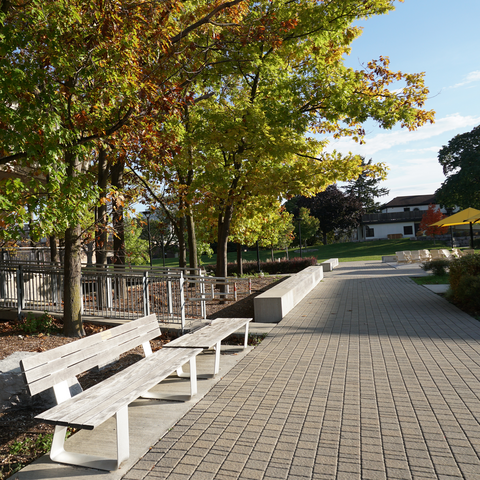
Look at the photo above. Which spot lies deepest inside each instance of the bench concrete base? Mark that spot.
(272, 305)
(330, 264)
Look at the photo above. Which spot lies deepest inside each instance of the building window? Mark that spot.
(369, 232)
(406, 209)
(408, 230)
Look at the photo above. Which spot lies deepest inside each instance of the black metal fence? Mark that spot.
(175, 295)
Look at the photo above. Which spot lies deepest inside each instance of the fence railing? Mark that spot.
(175, 295)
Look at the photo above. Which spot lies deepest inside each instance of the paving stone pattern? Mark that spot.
(370, 377)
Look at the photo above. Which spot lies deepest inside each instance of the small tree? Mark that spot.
(309, 225)
(136, 248)
(432, 215)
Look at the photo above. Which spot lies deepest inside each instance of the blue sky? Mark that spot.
(442, 39)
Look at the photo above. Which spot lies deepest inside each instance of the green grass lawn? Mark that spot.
(345, 252)
(432, 280)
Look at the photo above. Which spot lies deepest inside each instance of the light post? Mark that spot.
(163, 248)
(258, 257)
(299, 220)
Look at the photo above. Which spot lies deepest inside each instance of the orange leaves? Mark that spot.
(432, 215)
(81, 119)
(288, 24)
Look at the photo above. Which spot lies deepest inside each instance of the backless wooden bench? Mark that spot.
(211, 336)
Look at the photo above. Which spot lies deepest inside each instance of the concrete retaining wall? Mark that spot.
(272, 305)
(330, 264)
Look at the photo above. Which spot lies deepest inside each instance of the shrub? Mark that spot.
(43, 324)
(437, 267)
(294, 265)
(467, 293)
(460, 268)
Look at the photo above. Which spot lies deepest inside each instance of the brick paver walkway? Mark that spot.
(370, 377)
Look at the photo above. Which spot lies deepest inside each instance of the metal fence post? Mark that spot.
(3, 283)
(203, 303)
(182, 300)
(169, 295)
(146, 295)
(54, 288)
(109, 295)
(20, 292)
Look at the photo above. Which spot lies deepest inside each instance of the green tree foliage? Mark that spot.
(77, 77)
(136, 248)
(460, 160)
(251, 83)
(366, 187)
(309, 225)
(336, 212)
(280, 77)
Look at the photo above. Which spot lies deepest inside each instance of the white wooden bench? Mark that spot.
(90, 408)
(211, 336)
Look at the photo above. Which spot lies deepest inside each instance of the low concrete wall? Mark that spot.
(272, 305)
(330, 264)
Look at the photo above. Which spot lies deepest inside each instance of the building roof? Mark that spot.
(410, 201)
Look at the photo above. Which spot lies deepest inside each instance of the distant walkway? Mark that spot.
(370, 377)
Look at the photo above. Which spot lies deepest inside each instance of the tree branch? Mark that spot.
(204, 20)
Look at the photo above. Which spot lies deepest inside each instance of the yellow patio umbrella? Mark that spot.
(474, 219)
(464, 217)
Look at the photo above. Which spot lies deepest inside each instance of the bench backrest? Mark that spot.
(49, 368)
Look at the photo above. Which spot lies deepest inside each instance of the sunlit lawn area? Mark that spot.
(345, 252)
(432, 280)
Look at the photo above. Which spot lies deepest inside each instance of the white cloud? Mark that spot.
(470, 78)
(421, 150)
(385, 141)
(421, 161)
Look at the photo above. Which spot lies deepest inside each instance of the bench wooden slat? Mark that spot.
(97, 404)
(54, 366)
(69, 348)
(209, 335)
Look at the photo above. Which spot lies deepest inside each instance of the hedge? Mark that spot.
(293, 265)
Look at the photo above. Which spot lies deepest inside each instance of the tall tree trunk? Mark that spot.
(179, 228)
(192, 240)
(117, 217)
(224, 221)
(101, 234)
(119, 252)
(54, 254)
(324, 235)
(72, 312)
(239, 260)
